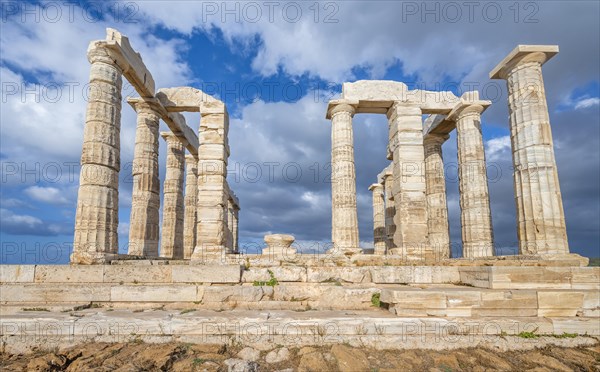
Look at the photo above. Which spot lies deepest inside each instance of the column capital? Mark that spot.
(140, 105)
(375, 186)
(464, 108)
(98, 52)
(341, 105)
(523, 54)
(172, 138)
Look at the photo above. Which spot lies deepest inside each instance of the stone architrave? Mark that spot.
(190, 202)
(541, 226)
(379, 235)
(437, 208)
(145, 196)
(97, 214)
(172, 224)
(344, 217)
(475, 216)
(408, 190)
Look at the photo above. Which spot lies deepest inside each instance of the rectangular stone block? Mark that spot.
(581, 326)
(392, 274)
(54, 293)
(237, 293)
(281, 273)
(463, 299)
(306, 292)
(69, 274)
(341, 274)
(206, 274)
(17, 273)
(517, 299)
(414, 299)
(155, 293)
(585, 277)
(511, 277)
(138, 274)
(560, 300)
(475, 276)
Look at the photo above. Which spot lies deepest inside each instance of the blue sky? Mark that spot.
(276, 71)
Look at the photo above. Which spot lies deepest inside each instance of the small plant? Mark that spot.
(135, 281)
(247, 265)
(360, 329)
(526, 334)
(270, 283)
(375, 299)
(197, 361)
(379, 329)
(35, 309)
(566, 335)
(185, 311)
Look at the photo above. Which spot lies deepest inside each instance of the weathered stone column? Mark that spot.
(541, 226)
(145, 197)
(235, 227)
(344, 216)
(229, 228)
(406, 143)
(378, 218)
(387, 179)
(190, 201)
(475, 213)
(212, 197)
(97, 214)
(437, 207)
(172, 224)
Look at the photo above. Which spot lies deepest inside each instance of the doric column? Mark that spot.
(229, 215)
(475, 214)
(212, 196)
(172, 224)
(437, 208)
(387, 180)
(541, 227)
(406, 144)
(190, 202)
(97, 214)
(235, 227)
(378, 218)
(344, 217)
(145, 197)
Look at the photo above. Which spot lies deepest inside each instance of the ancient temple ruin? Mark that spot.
(409, 291)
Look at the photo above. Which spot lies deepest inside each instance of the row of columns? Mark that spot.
(418, 195)
(192, 224)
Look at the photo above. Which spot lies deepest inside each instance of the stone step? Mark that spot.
(495, 277)
(374, 328)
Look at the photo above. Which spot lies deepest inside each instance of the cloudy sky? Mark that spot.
(276, 65)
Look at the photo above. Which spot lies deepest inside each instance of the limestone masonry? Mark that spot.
(407, 285)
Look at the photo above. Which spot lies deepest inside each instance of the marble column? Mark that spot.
(406, 143)
(235, 228)
(172, 223)
(145, 197)
(437, 207)
(97, 215)
(212, 196)
(190, 202)
(475, 213)
(541, 226)
(229, 229)
(378, 218)
(344, 216)
(387, 180)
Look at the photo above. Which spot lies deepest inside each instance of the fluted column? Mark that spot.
(97, 214)
(437, 207)
(343, 180)
(190, 201)
(145, 197)
(475, 213)
(541, 226)
(378, 218)
(235, 228)
(390, 208)
(172, 224)
(212, 196)
(406, 144)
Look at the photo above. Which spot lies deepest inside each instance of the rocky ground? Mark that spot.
(137, 356)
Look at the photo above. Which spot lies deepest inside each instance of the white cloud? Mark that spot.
(497, 148)
(50, 195)
(587, 103)
(10, 218)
